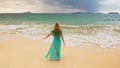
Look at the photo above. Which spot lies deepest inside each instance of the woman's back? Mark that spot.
(56, 36)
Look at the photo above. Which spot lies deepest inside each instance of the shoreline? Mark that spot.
(104, 36)
(27, 53)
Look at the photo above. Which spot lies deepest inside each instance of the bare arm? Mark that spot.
(63, 39)
(47, 36)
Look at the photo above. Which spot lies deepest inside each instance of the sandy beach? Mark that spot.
(27, 53)
(90, 30)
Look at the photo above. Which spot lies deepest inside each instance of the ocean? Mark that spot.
(87, 29)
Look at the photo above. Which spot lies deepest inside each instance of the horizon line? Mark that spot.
(65, 12)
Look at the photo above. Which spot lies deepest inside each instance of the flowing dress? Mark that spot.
(54, 51)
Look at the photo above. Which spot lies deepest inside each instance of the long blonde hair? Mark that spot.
(57, 28)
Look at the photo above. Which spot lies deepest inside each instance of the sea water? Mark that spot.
(102, 30)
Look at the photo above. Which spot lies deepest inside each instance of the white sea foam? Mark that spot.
(104, 36)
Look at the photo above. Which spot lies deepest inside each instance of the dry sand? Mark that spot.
(26, 53)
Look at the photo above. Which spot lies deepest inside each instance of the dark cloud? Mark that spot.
(85, 5)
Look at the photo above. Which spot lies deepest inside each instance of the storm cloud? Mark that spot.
(85, 5)
(59, 6)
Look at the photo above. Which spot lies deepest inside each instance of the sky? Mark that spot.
(59, 6)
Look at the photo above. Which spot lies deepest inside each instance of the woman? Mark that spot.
(55, 48)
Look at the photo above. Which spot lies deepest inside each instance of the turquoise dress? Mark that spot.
(54, 51)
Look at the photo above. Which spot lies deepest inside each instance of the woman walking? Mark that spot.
(54, 51)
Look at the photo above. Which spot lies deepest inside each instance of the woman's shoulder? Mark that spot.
(61, 32)
(51, 31)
